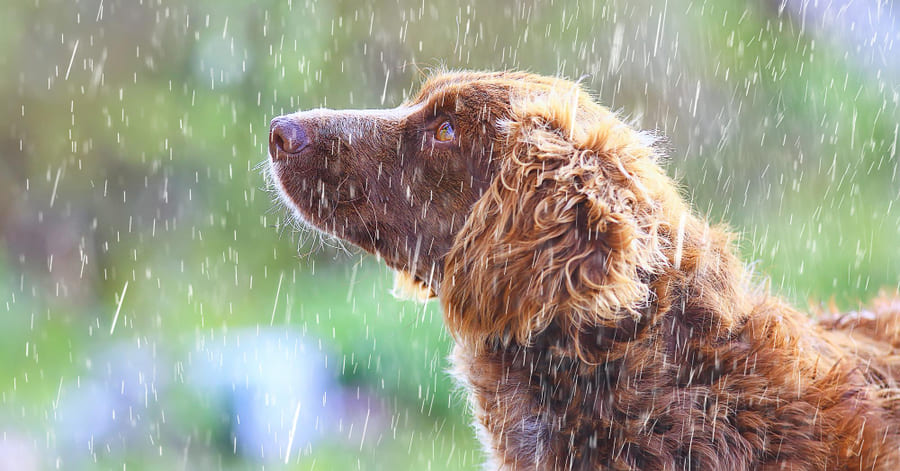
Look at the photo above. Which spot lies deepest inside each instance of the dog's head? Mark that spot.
(513, 196)
(401, 182)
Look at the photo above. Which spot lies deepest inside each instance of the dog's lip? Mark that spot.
(293, 167)
(282, 157)
(298, 169)
(304, 158)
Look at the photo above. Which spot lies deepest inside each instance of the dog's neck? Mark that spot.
(565, 398)
(702, 289)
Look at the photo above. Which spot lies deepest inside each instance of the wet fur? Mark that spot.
(599, 323)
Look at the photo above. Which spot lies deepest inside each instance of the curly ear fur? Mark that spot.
(574, 211)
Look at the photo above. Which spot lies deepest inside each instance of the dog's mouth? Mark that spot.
(319, 200)
(314, 170)
(318, 160)
(307, 168)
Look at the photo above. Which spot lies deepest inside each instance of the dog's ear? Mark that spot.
(567, 231)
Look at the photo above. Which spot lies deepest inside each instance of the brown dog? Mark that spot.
(599, 324)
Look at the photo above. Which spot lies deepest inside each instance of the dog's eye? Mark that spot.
(444, 132)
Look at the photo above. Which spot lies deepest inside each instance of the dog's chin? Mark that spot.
(299, 217)
(325, 222)
(406, 286)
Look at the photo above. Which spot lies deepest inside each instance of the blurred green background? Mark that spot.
(155, 313)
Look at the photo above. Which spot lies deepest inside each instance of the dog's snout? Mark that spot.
(287, 136)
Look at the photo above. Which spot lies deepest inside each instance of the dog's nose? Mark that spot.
(286, 136)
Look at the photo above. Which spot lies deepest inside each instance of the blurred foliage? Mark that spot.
(132, 138)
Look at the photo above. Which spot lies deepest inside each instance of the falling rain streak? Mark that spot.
(133, 160)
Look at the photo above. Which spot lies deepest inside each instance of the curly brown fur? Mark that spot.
(599, 324)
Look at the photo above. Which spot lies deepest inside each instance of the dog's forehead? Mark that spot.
(458, 84)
